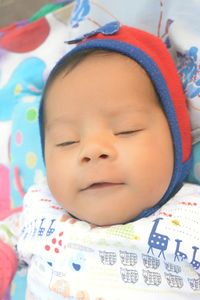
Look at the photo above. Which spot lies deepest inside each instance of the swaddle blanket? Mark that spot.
(157, 255)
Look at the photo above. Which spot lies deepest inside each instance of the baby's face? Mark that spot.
(108, 147)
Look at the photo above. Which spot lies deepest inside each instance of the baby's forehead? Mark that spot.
(112, 93)
(107, 71)
(98, 63)
(95, 60)
(93, 57)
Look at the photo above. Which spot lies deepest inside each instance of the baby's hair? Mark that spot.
(65, 66)
(68, 63)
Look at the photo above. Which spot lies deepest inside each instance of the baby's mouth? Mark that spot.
(102, 185)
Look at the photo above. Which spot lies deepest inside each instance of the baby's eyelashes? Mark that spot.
(68, 143)
(127, 132)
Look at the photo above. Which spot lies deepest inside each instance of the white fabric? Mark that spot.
(5, 129)
(154, 258)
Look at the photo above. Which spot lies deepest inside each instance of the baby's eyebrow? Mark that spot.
(128, 109)
(114, 113)
(61, 120)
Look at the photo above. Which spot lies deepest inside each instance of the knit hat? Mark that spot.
(151, 53)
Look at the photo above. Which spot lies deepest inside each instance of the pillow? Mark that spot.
(23, 70)
(184, 37)
(26, 163)
(194, 176)
(26, 66)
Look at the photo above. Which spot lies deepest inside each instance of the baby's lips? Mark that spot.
(101, 184)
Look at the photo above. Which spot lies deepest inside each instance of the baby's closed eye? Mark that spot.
(66, 143)
(127, 132)
(123, 133)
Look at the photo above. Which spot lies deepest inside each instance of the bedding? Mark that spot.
(23, 69)
(30, 48)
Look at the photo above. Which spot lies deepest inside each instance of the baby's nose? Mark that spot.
(95, 150)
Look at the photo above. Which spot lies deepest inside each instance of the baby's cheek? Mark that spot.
(62, 183)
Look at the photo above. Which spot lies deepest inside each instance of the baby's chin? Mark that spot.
(104, 222)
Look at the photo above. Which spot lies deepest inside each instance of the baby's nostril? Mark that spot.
(103, 156)
(86, 159)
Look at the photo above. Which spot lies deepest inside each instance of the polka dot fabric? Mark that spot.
(25, 148)
(24, 68)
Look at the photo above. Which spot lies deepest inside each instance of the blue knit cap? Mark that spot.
(151, 53)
